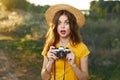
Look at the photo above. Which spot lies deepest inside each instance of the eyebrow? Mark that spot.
(65, 20)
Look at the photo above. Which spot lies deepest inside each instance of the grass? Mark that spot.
(25, 42)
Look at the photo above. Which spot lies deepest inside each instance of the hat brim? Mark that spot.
(76, 12)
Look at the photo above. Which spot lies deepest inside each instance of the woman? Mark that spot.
(64, 22)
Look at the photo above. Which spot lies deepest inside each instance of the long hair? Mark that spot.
(52, 36)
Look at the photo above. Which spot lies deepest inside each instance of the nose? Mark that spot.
(63, 25)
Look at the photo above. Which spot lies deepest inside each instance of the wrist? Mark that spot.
(74, 65)
(46, 71)
(49, 64)
(51, 60)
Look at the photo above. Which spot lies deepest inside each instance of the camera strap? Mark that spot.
(55, 70)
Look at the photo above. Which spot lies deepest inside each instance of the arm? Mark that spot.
(46, 69)
(47, 64)
(82, 72)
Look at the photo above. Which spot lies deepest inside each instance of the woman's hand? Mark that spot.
(51, 54)
(70, 58)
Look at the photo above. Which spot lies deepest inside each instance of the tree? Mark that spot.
(13, 4)
(23, 5)
(103, 8)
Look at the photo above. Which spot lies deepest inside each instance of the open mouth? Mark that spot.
(62, 31)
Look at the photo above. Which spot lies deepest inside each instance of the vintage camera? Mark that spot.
(61, 52)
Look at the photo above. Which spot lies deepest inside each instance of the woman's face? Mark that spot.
(63, 27)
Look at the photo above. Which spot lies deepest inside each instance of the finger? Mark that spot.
(55, 57)
(50, 54)
(69, 51)
(52, 47)
(68, 59)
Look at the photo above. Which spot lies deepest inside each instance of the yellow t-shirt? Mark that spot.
(63, 68)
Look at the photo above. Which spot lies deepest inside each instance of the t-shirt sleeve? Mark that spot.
(44, 53)
(85, 51)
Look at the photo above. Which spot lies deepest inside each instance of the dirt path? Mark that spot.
(5, 67)
(2, 37)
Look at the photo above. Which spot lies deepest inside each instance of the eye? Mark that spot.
(59, 22)
(66, 22)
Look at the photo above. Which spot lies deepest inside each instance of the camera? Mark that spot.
(61, 52)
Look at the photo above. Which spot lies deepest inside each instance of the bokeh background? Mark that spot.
(22, 35)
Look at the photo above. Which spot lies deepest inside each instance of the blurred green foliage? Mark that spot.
(100, 34)
(23, 5)
(102, 37)
(102, 9)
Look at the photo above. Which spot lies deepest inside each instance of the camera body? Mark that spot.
(61, 52)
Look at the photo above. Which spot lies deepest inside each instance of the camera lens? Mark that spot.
(61, 54)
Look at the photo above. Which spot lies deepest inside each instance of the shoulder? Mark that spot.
(80, 45)
(81, 49)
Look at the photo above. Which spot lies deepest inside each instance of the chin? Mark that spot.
(64, 36)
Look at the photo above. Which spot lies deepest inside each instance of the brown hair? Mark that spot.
(52, 37)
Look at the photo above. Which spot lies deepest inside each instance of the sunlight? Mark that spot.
(83, 4)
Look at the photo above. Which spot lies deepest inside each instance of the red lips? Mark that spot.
(62, 31)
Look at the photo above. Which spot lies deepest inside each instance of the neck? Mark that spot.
(64, 41)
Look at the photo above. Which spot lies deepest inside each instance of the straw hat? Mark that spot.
(76, 12)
